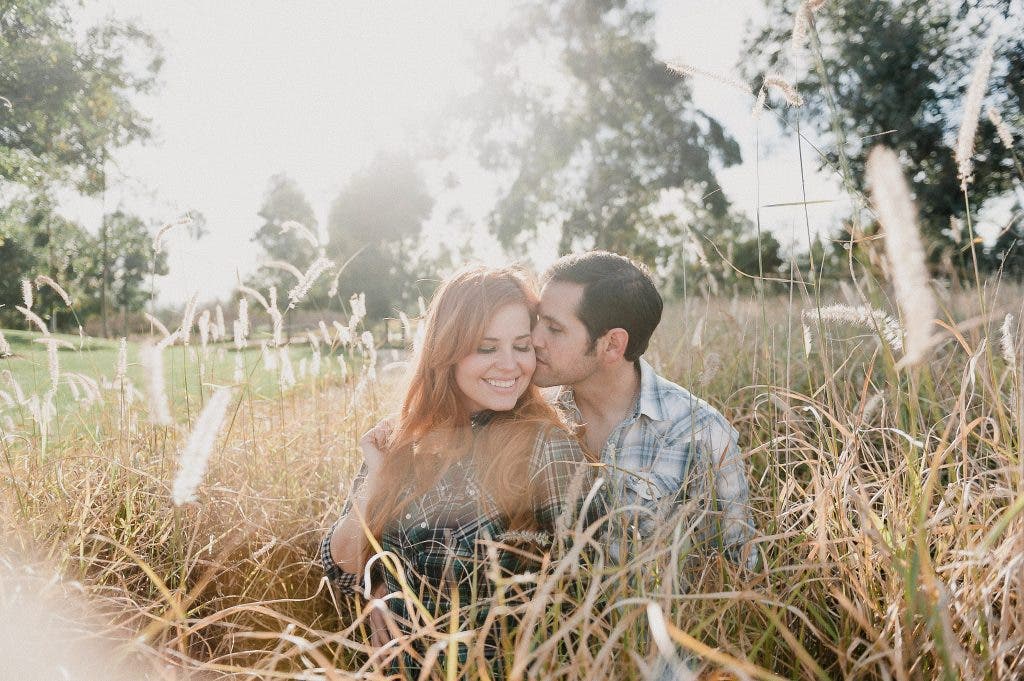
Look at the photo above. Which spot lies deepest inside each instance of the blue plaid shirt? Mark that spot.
(674, 448)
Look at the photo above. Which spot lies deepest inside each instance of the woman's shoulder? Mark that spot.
(556, 443)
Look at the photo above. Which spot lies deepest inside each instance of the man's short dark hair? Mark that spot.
(617, 293)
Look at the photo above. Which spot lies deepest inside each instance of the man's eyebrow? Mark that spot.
(549, 318)
(495, 340)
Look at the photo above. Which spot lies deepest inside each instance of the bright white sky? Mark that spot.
(252, 88)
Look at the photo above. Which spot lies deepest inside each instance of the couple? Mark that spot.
(478, 458)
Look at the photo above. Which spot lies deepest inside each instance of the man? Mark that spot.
(663, 446)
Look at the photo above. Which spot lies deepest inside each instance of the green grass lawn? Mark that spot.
(97, 359)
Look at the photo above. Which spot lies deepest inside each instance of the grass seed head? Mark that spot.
(972, 112)
(195, 456)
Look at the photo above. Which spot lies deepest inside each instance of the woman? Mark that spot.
(476, 474)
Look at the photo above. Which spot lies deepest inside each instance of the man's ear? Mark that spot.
(615, 342)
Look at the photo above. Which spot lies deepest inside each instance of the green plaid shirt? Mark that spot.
(442, 540)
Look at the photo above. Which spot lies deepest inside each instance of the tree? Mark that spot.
(896, 72)
(130, 262)
(591, 149)
(66, 100)
(284, 202)
(377, 220)
(36, 240)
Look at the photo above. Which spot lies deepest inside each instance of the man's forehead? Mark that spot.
(560, 299)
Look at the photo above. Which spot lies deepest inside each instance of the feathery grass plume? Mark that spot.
(314, 363)
(891, 198)
(204, 328)
(802, 23)
(698, 332)
(283, 265)
(169, 340)
(158, 240)
(301, 289)
(5, 347)
(19, 394)
(1002, 129)
(220, 331)
(42, 279)
(269, 358)
(196, 455)
(1007, 343)
(52, 361)
(239, 374)
(152, 358)
(26, 293)
(712, 365)
(314, 340)
(301, 230)
(972, 112)
(787, 89)
(243, 317)
(956, 228)
(239, 335)
(164, 333)
(857, 315)
(324, 333)
(253, 293)
(358, 304)
(34, 318)
(808, 340)
(122, 360)
(681, 69)
(344, 335)
(188, 319)
(287, 375)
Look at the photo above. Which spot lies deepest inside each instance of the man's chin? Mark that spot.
(543, 380)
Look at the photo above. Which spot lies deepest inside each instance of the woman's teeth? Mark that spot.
(501, 384)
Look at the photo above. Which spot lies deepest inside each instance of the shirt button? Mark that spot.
(424, 524)
(408, 516)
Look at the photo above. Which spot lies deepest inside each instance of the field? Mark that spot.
(888, 503)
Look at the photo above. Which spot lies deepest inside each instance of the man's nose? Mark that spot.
(537, 337)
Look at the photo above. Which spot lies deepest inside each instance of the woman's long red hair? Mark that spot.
(433, 428)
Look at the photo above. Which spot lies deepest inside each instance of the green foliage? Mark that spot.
(284, 202)
(67, 95)
(897, 72)
(592, 149)
(376, 220)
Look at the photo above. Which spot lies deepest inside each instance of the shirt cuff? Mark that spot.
(345, 582)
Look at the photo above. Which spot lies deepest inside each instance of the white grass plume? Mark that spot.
(1002, 129)
(857, 315)
(253, 293)
(243, 317)
(358, 305)
(301, 289)
(324, 333)
(196, 455)
(301, 230)
(164, 333)
(158, 240)
(239, 374)
(5, 347)
(972, 112)
(43, 280)
(219, 330)
(1007, 343)
(52, 361)
(188, 319)
(344, 334)
(682, 69)
(891, 198)
(34, 319)
(287, 375)
(152, 358)
(204, 328)
(26, 293)
(286, 266)
(122, 360)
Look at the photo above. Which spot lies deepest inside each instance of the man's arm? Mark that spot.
(731, 493)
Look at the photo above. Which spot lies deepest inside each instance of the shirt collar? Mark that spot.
(648, 403)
